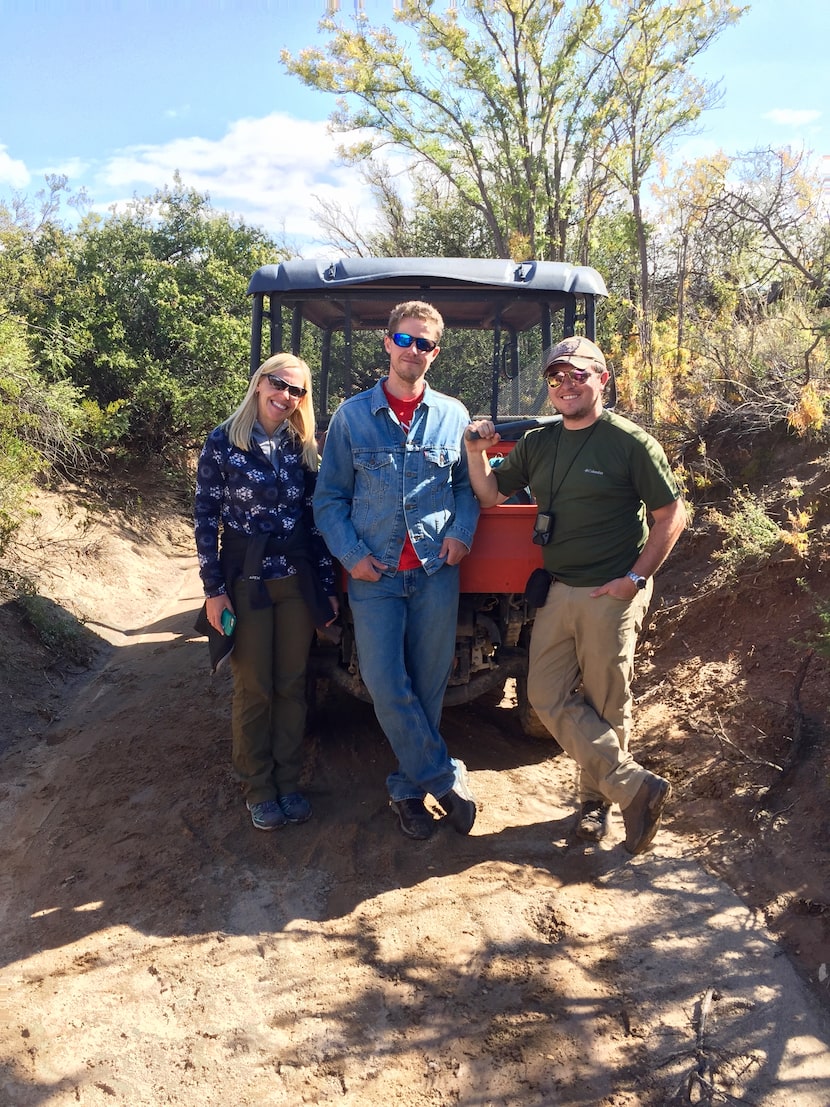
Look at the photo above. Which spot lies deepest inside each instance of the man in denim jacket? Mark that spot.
(395, 506)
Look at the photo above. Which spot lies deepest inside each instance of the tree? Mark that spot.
(654, 97)
(160, 318)
(779, 195)
(435, 223)
(742, 252)
(501, 106)
(36, 267)
(686, 196)
(20, 461)
(772, 216)
(528, 109)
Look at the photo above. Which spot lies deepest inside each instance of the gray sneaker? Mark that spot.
(459, 804)
(295, 807)
(267, 815)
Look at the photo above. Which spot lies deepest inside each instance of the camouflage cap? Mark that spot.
(577, 351)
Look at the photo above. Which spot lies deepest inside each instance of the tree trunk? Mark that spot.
(644, 314)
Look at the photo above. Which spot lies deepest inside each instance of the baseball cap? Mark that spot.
(577, 351)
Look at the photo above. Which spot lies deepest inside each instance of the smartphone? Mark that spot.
(228, 622)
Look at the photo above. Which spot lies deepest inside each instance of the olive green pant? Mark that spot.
(579, 683)
(269, 663)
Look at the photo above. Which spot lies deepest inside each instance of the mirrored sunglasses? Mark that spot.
(578, 376)
(293, 390)
(422, 345)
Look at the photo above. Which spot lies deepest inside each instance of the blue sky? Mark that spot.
(118, 94)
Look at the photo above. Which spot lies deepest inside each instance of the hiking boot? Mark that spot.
(643, 814)
(458, 804)
(416, 821)
(267, 815)
(593, 821)
(295, 807)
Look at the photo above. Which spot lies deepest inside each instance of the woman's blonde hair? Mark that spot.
(240, 423)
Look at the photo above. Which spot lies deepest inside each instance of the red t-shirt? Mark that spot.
(404, 410)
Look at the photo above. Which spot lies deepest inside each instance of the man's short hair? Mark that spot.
(416, 309)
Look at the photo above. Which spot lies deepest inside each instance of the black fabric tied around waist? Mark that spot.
(243, 556)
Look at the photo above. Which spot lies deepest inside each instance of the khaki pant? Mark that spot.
(269, 664)
(579, 684)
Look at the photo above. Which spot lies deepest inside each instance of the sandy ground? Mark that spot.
(158, 950)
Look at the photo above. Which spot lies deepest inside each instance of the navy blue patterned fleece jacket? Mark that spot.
(244, 493)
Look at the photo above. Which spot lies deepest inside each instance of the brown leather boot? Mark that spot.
(643, 814)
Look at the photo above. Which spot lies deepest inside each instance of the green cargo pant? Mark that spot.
(269, 664)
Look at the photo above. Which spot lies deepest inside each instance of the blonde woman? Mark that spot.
(262, 560)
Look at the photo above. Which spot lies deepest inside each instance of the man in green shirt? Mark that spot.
(595, 477)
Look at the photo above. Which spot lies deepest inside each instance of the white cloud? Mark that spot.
(72, 168)
(12, 172)
(177, 113)
(268, 170)
(789, 117)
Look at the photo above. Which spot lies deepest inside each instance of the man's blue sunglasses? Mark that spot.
(422, 345)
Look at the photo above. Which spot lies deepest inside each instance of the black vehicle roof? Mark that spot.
(453, 285)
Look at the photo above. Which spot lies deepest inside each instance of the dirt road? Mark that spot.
(156, 949)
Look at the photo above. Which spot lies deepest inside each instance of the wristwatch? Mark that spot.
(639, 581)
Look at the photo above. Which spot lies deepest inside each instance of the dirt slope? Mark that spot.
(158, 950)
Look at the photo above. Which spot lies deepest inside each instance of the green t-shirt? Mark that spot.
(599, 484)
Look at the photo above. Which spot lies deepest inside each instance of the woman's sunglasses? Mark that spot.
(293, 390)
(422, 345)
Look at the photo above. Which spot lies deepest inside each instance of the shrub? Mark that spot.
(752, 536)
(59, 631)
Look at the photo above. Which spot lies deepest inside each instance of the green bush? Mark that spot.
(20, 460)
(752, 536)
(106, 426)
(59, 631)
(819, 639)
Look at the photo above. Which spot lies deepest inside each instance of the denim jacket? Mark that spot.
(376, 481)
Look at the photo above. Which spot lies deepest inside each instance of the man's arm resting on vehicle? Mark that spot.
(482, 477)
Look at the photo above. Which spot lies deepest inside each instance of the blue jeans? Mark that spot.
(405, 632)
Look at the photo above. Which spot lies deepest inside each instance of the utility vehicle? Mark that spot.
(499, 316)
